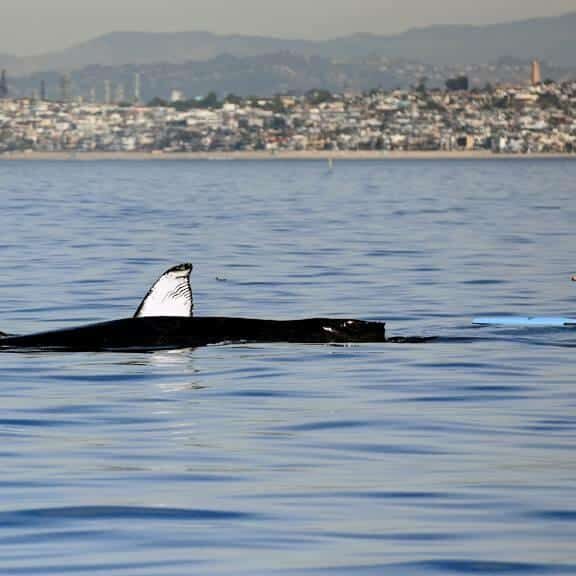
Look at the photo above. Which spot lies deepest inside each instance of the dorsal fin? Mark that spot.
(171, 294)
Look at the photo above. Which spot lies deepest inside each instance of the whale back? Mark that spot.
(171, 294)
(172, 332)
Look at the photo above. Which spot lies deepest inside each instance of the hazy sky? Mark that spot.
(39, 26)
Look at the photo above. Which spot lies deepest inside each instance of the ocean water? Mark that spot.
(454, 457)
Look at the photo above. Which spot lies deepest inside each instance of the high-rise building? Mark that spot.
(137, 94)
(458, 83)
(536, 75)
(107, 92)
(120, 94)
(3, 85)
(42, 89)
(65, 87)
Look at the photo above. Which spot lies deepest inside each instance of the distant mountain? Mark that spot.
(147, 47)
(123, 48)
(548, 39)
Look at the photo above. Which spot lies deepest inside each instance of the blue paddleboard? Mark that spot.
(543, 321)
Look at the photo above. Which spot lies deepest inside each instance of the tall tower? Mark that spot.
(536, 75)
(65, 84)
(107, 92)
(3, 85)
(137, 94)
(120, 94)
(43, 90)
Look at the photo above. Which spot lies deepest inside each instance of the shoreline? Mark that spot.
(284, 155)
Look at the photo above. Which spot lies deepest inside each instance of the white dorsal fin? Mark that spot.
(171, 295)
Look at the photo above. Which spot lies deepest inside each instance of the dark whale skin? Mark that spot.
(165, 332)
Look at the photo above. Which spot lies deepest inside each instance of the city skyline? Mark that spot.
(62, 23)
(514, 119)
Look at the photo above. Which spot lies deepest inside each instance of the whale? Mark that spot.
(165, 319)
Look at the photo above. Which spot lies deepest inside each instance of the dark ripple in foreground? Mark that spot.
(111, 513)
(442, 566)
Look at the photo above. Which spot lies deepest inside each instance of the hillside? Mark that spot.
(549, 39)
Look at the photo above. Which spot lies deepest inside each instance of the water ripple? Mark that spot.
(454, 457)
(32, 516)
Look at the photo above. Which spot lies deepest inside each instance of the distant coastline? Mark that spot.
(282, 155)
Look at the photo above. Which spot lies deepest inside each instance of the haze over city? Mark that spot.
(60, 23)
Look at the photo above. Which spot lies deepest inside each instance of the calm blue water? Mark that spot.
(456, 457)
